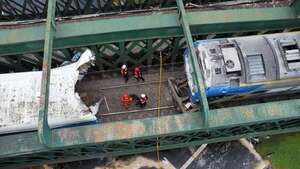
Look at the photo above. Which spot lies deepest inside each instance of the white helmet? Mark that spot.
(124, 66)
(143, 95)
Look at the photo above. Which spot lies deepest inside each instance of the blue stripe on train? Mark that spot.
(224, 90)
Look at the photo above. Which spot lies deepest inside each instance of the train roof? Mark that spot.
(249, 59)
(20, 98)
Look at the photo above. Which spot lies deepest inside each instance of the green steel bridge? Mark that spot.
(38, 34)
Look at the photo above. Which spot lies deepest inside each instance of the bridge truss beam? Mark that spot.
(137, 136)
(83, 32)
(12, 10)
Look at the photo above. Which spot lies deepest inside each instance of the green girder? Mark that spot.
(44, 132)
(196, 73)
(296, 6)
(135, 136)
(29, 38)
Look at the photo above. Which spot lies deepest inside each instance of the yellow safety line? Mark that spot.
(158, 107)
(271, 82)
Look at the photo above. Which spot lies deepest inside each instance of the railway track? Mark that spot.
(109, 113)
(136, 114)
(110, 90)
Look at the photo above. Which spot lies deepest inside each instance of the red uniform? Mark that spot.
(126, 100)
(143, 100)
(137, 73)
(124, 72)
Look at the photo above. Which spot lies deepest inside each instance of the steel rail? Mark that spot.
(136, 111)
(130, 85)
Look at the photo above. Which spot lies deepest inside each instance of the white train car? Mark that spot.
(20, 98)
(250, 66)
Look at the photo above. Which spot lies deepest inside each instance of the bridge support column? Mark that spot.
(296, 6)
(197, 74)
(44, 131)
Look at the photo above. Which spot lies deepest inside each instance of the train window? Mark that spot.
(256, 65)
(291, 53)
(201, 60)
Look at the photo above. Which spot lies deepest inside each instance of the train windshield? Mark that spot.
(201, 59)
(204, 64)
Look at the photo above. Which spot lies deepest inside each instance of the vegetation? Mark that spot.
(283, 151)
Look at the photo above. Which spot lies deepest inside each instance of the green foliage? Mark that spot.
(282, 150)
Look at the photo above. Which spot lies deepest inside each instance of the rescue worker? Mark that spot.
(126, 100)
(124, 72)
(143, 100)
(137, 73)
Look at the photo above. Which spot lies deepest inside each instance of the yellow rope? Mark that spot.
(158, 107)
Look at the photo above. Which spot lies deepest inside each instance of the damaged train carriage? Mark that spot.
(20, 98)
(260, 65)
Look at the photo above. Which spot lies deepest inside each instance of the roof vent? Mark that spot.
(291, 53)
(231, 60)
(256, 65)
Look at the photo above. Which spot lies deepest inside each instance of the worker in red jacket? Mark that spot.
(137, 73)
(143, 100)
(124, 72)
(126, 100)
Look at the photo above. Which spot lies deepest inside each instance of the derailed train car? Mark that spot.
(20, 98)
(252, 65)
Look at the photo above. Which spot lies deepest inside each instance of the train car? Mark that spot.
(20, 98)
(246, 66)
